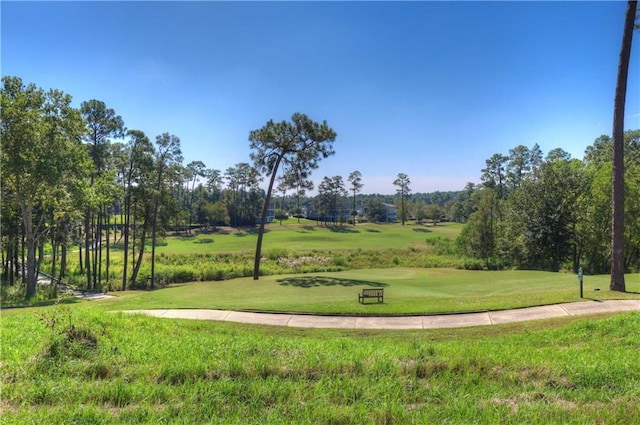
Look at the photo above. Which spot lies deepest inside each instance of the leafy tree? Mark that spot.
(167, 156)
(242, 183)
(355, 178)
(548, 211)
(296, 178)
(214, 183)
(280, 215)
(518, 167)
(42, 158)
(558, 154)
(433, 212)
(420, 211)
(102, 124)
(216, 213)
(596, 223)
(137, 173)
(617, 199)
(196, 170)
(330, 191)
(493, 175)
(300, 144)
(402, 181)
(375, 210)
(477, 238)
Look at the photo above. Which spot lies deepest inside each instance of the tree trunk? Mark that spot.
(63, 261)
(30, 242)
(23, 249)
(80, 258)
(108, 260)
(16, 262)
(87, 246)
(54, 258)
(153, 243)
(97, 283)
(136, 269)
(125, 231)
(154, 228)
(265, 208)
(6, 263)
(617, 199)
(40, 249)
(133, 246)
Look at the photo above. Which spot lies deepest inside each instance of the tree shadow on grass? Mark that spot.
(342, 229)
(315, 281)
(306, 229)
(215, 230)
(241, 233)
(373, 230)
(421, 229)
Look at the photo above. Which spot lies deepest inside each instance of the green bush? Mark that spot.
(441, 245)
(179, 274)
(339, 260)
(472, 264)
(276, 253)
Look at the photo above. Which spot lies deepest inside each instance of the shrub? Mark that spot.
(441, 245)
(306, 263)
(472, 264)
(339, 260)
(276, 253)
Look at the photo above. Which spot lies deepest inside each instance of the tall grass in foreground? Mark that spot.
(115, 368)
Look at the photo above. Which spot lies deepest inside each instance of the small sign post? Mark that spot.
(580, 280)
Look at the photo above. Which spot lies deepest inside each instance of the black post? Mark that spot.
(580, 280)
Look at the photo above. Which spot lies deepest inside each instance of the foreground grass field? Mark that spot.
(116, 368)
(84, 363)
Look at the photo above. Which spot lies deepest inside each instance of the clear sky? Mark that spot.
(430, 89)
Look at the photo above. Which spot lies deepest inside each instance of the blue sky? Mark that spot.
(430, 89)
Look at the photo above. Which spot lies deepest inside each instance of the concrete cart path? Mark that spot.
(401, 322)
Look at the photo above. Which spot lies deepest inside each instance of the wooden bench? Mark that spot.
(371, 293)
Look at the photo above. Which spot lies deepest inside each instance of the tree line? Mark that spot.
(76, 179)
(554, 212)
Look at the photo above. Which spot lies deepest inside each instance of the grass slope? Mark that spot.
(116, 368)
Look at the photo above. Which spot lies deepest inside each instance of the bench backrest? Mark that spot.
(373, 292)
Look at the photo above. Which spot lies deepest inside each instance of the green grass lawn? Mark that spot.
(407, 291)
(118, 368)
(84, 363)
(308, 236)
(229, 253)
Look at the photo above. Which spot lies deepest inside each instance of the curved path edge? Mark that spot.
(400, 322)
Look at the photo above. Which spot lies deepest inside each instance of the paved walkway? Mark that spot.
(402, 322)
